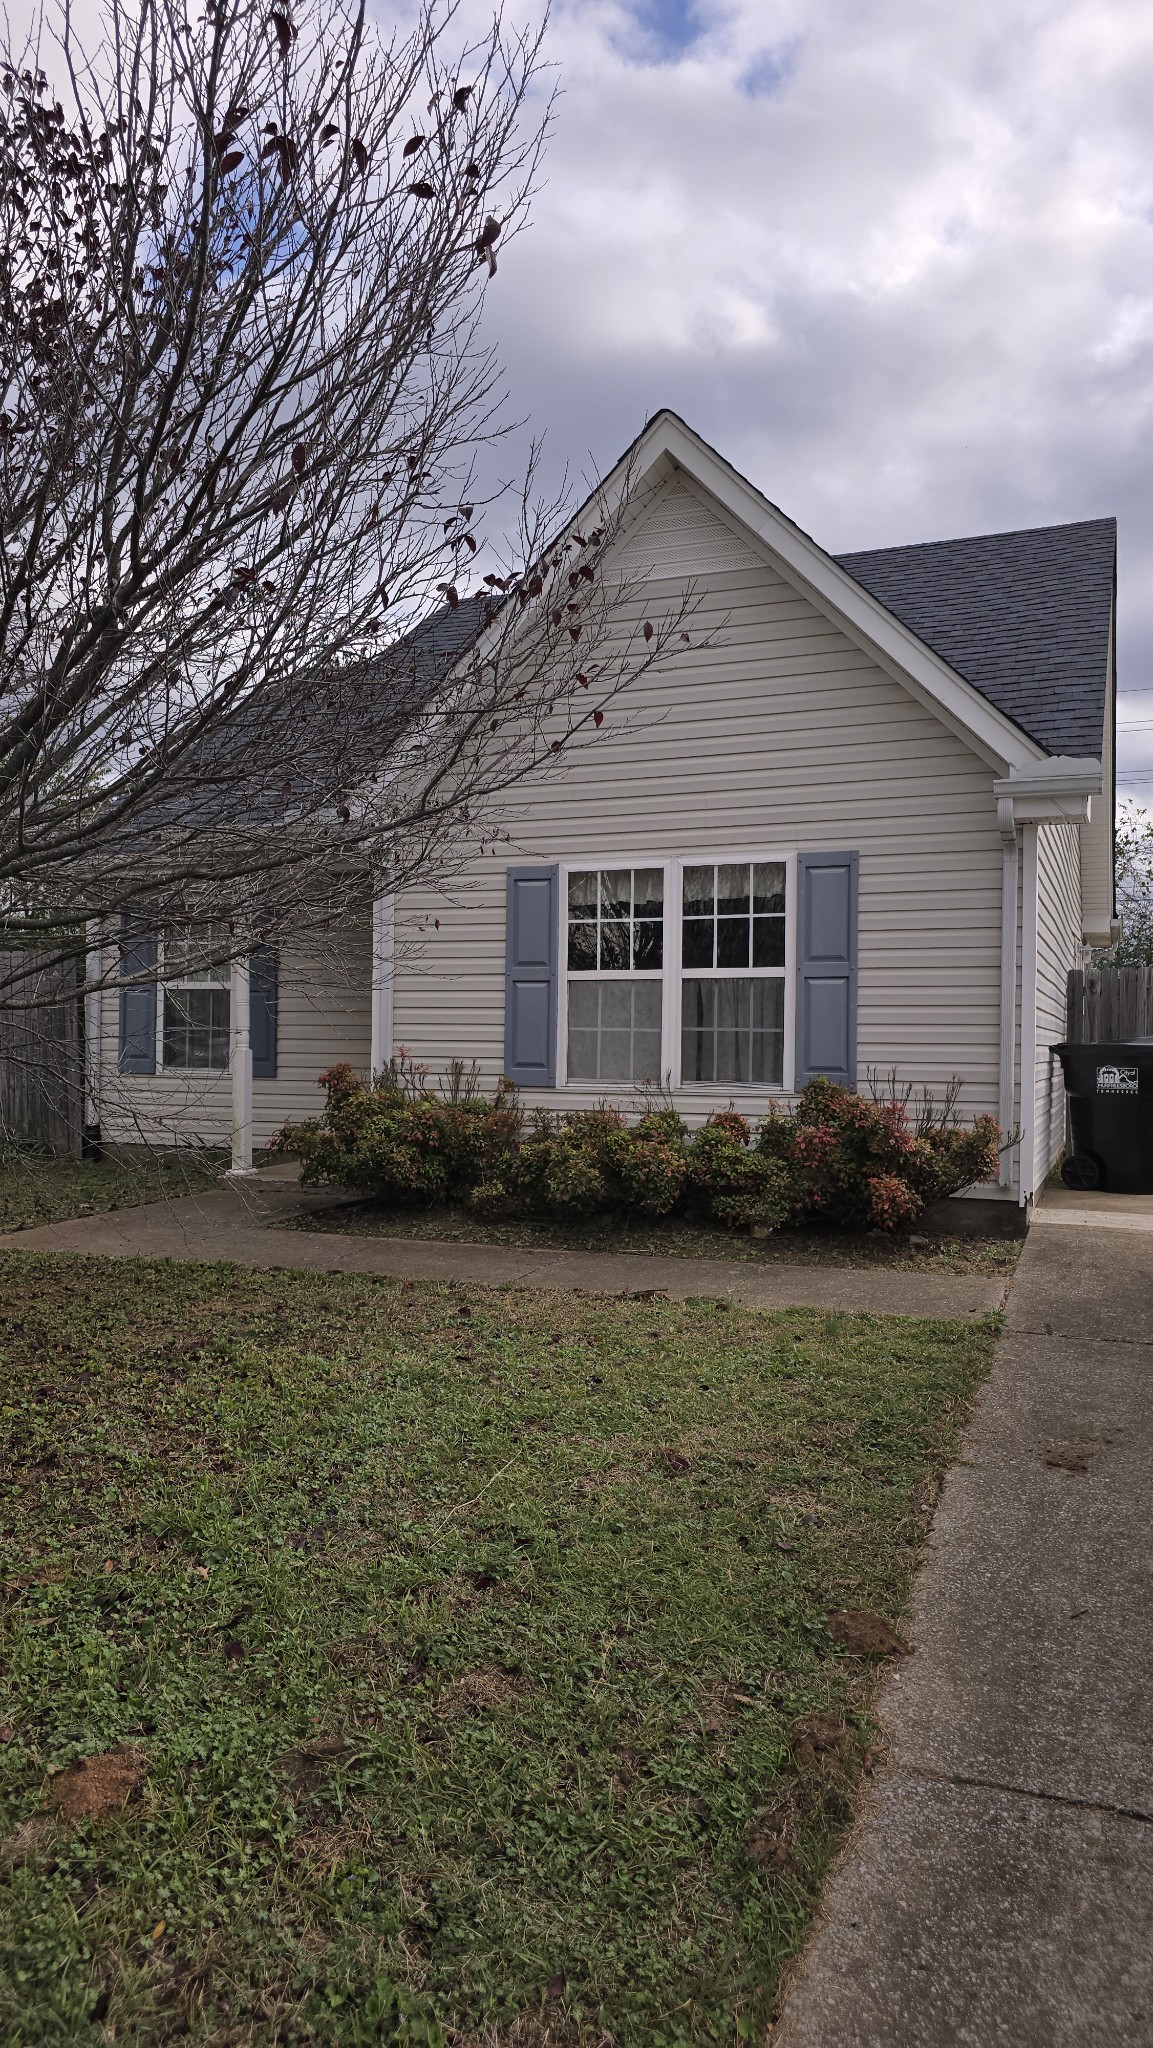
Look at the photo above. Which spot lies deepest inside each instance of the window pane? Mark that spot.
(734, 1016)
(614, 1031)
(584, 1004)
(582, 946)
(646, 1056)
(698, 1046)
(197, 951)
(616, 892)
(697, 944)
(615, 946)
(616, 1005)
(615, 1056)
(768, 942)
(648, 944)
(699, 892)
(647, 1006)
(196, 1028)
(732, 942)
(582, 894)
(733, 1032)
(769, 886)
(648, 892)
(582, 1055)
(733, 890)
(768, 1050)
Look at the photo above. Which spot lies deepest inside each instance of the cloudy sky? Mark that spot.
(894, 258)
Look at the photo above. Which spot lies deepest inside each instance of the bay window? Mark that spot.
(674, 973)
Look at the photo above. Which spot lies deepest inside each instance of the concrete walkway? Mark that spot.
(998, 1888)
(238, 1222)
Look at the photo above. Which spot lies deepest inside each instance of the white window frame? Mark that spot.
(672, 866)
(187, 982)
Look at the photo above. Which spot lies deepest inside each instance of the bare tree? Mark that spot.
(243, 257)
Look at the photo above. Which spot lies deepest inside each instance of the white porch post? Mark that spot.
(241, 1065)
(383, 958)
(93, 971)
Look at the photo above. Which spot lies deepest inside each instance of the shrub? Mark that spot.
(858, 1162)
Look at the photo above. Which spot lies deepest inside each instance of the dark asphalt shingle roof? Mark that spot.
(1024, 617)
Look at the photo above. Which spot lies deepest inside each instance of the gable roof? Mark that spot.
(1024, 616)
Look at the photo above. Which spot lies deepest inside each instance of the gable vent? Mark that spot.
(681, 537)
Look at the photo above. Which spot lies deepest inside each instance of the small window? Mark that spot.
(197, 1009)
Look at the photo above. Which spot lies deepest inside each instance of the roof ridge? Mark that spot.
(1107, 519)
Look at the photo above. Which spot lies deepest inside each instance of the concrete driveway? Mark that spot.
(998, 1888)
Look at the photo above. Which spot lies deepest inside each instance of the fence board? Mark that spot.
(1109, 1003)
(41, 1053)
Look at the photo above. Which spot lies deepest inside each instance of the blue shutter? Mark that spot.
(138, 1003)
(531, 977)
(827, 968)
(263, 999)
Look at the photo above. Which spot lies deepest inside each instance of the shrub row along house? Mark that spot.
(863, 823)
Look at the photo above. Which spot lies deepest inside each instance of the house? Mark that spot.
(865, 827)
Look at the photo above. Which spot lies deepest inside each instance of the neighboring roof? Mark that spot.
(1025, 617)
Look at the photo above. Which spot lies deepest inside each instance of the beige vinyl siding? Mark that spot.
(1058, 949)
(325, 1001)
(782, 735)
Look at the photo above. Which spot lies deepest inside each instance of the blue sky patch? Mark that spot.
(671, 26)
(771, 71)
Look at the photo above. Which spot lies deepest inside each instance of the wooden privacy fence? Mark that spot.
(41, 1053)
(1109, 1003)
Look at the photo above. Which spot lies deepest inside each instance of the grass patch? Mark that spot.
(461, 1656)
(37, 1189)
(674, 1237)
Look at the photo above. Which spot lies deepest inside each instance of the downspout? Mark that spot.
(1028, 1173)
(1007, 1070)
(383, 958)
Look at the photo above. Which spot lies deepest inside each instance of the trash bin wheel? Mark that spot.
(1082, 1171)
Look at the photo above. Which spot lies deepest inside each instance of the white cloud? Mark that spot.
(894, 257)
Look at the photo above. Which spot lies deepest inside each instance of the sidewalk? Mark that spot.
(238, 1222)
(998, 1888)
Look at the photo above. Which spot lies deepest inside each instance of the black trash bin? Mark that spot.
(1110, 1089)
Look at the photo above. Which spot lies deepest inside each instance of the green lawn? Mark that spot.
(677, 1237)
(35, 1189)
(468, 1650)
